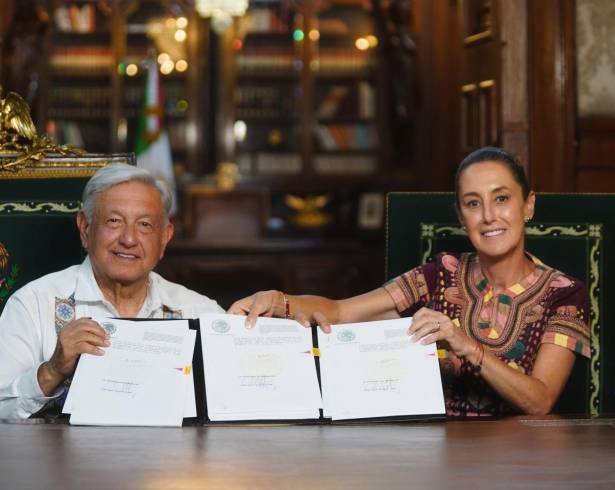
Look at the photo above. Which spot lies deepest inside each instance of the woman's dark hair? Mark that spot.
(493, 154)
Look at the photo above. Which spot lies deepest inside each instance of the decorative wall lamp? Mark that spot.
(221, 12)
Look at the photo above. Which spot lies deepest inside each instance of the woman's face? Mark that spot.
(492, 208)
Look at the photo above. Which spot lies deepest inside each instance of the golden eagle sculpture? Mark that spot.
(18, 137)
(16, 118)
(309, 210)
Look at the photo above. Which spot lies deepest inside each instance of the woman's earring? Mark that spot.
(527, 219)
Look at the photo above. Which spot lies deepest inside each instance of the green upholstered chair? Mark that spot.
(574, 233)
(38, 204)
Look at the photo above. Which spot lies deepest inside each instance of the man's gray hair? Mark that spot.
(119, 173)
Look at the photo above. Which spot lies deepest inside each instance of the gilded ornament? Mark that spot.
(309, 210)
(20, 145)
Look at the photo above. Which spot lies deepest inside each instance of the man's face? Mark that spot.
(128, 233)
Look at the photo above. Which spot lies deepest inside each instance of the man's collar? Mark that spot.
(87, 289)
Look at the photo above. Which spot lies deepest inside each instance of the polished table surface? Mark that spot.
(521, 452)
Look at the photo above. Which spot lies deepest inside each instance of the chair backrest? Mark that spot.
(38, 204)
(574, 233)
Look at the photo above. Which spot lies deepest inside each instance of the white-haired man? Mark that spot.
(44, 328)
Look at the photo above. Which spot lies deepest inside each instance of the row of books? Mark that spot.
(271, 60)
(88, 134)
(65, 133)
(344, 61)
(342, 100)
(134, 93)
(264, 163)
(264, 113)
(82, 59)
(345, 164)
(75, 18)
(265, 101)
(346, 137)
(88, 112)
(80, 95)
(285, 63)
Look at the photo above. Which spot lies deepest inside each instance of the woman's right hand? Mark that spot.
(264, 303)
(272, 303)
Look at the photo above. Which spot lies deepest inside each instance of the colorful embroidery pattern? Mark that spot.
(64, 312)
(545, 307)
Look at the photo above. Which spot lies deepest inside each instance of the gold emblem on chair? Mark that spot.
(7, 282)
(19, 143)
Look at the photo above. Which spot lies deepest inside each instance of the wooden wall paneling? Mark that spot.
(480, 118)
(596, 156)
(469, 117)
(420, 23)
(442, 82)
(423, 21)
(552, 95)
(514, 81)
(488, 113)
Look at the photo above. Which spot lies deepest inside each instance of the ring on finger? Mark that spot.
(437, 324)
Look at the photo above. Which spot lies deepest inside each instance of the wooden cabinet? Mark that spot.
(227, 271)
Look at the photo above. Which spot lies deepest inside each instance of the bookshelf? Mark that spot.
(80, 61)
(267, 97)
(305, 97)
(95, 69)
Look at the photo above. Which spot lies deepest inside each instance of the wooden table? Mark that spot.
(512, 453)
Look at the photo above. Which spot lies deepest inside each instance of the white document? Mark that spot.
(374, 369)
(143, 378)
(264, 373)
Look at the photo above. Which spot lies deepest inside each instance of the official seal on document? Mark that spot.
(346, 336)
(109, 327)
(220, 326)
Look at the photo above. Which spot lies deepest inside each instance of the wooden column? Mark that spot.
(198, 94)
(552, 95)
(514, 79)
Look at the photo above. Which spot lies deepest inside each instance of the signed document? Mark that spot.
(144, 378)
(374, 369)
(264, 373)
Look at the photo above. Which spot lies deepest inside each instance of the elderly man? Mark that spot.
(44, 328)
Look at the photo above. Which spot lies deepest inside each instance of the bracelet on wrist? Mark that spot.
(286, 305)
(480, 356)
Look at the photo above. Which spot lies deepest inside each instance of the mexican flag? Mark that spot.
(152, 145)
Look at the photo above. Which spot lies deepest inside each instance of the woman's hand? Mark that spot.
(273, 303)
(264, 303)
(430, 326)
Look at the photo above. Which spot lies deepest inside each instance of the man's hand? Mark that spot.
(78, 337)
